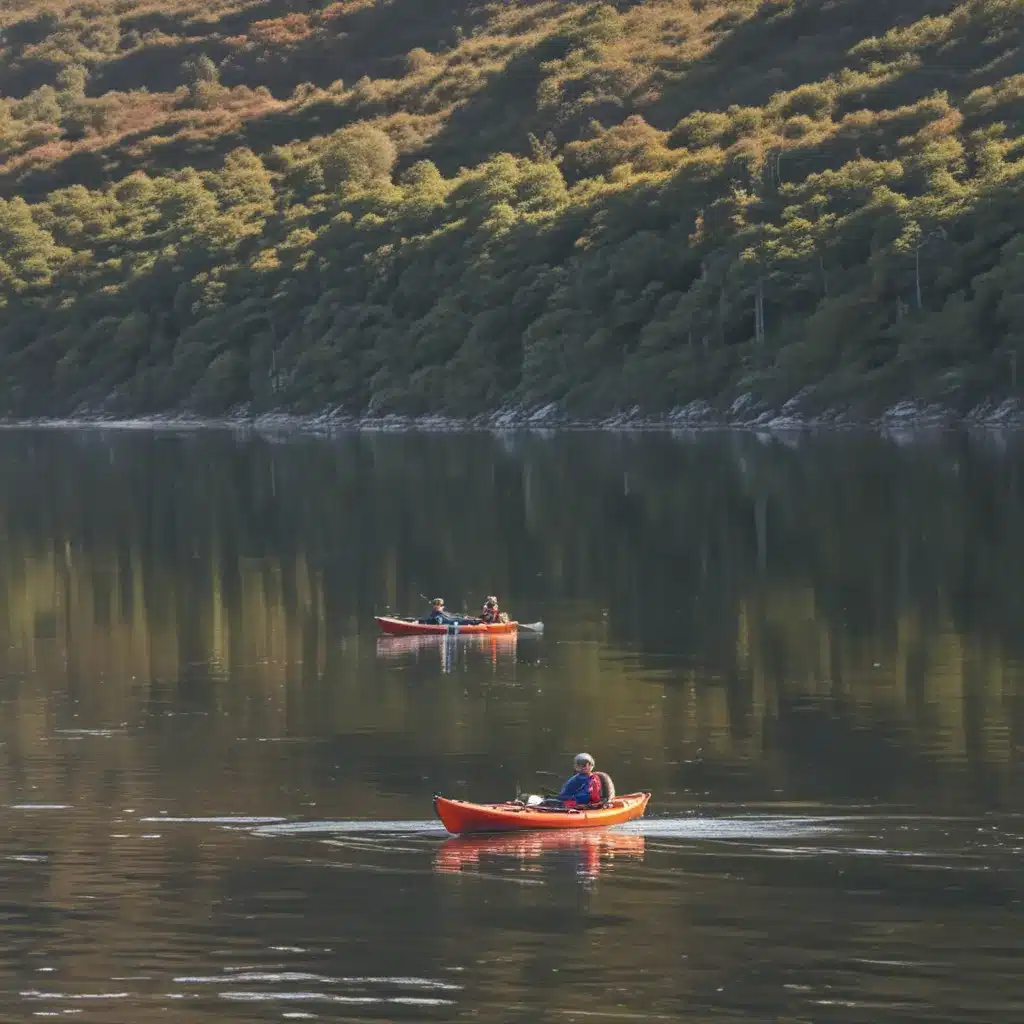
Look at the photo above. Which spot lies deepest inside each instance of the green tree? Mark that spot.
(360, 155)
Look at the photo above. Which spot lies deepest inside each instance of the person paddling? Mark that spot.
(439, 616)
(584, 789)
(491, 613)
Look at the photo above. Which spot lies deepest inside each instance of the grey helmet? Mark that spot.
(583, 758)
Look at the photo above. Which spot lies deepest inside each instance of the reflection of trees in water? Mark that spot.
(217, 600)
(787, 611)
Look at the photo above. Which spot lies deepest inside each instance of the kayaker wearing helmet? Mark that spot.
(490, 612)
(439, 616)
(584, 788)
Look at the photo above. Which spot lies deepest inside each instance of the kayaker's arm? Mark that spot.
(571, 789)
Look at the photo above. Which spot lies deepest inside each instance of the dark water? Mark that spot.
(217, 778)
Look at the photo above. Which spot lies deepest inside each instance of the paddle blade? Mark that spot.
(532, 627)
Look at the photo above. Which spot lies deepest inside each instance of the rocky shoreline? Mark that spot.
(746, 413)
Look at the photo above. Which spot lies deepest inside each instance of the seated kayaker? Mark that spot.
(439, 616)
(586, 788)
(490, 612)
(583, 789)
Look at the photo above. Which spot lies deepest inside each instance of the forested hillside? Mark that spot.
(458, 206)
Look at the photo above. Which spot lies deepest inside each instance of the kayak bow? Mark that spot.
(460, 816)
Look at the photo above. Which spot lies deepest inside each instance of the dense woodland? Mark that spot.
(459, 206)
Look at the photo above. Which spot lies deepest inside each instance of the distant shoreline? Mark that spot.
(697, 416)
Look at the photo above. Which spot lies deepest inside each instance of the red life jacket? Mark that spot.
(594, 793)
(490, 614)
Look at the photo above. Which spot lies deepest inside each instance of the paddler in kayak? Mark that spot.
(586, 788)
(583, 789)
(491, 612)
(439, 616)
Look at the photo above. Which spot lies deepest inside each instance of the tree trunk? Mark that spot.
(761, 529)
(759, 311)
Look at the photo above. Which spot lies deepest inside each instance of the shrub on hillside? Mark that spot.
(1003, 101)
(700, 130)
(40, 106)
(290, 29)
(418, 59)
(634, 142)
(360, 154)
(798, 127)
(91, 117)
(813, 101)
(601, 24)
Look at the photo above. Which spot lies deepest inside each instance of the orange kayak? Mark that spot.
(403, 627)
(460, 816)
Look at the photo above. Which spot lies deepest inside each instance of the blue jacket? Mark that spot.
(583, 789)
(444, 618)
(440, 618)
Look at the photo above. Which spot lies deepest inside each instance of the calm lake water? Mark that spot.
(217, 778)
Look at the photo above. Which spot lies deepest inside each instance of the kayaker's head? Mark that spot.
(583, 763)
(438, 602)
(491, 602)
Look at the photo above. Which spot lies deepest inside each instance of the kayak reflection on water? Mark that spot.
(587, 847)
(496, 648)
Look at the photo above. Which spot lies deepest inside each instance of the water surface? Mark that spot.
(217, 777)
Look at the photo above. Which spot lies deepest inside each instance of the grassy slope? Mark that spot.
(800, 158)
(456, 81)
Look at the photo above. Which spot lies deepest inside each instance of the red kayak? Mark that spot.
(460, 816)
(403, 627)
